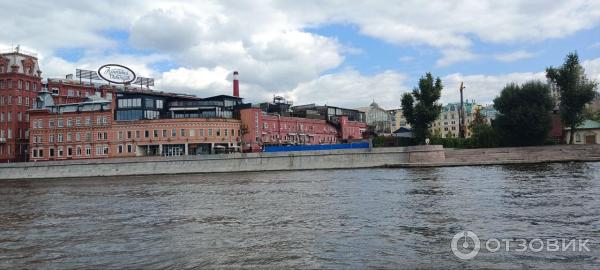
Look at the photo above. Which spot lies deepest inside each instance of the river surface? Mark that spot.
(342, 219)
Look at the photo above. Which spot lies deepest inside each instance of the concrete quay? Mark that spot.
(393, 157)
(238, 162)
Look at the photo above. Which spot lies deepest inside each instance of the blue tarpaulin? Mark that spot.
(316, 147)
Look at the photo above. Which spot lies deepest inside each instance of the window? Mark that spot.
(182, 132)
(60, 151)
(88, 150)
(201, 132)
(156, 133)
(129, 148)
(69, 151)
(69, 122)
(69, 136)
(137, 134)
(174, 133)
(78, 136)
(210, 132)
(51, 138)
(19, 100)
(120, 135)
(120, 148)
(60, 137)
(146, 134)
(79, 150)
(577, 137)
(218, 132)
(51, 152)
(60, 122)
(78, 121)
(88, 121)
(192, 132)
(128, 134)
(225, 132)
(164, 133)
(51, 123)
(88, 137)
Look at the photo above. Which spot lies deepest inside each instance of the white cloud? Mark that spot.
(482, 88)
(514, 56)
(451, 56)
(268, 42)
(351, 89)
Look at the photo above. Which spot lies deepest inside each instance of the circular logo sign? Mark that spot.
(464, 253)
(116, 74)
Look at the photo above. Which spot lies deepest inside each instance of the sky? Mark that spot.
(340, 53)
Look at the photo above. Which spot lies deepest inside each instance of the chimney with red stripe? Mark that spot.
(236, 85)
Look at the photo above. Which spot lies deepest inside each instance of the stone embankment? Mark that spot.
(395, 157)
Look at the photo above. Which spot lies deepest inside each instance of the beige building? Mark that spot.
(586, 133)
(447, 125)
(397, 120)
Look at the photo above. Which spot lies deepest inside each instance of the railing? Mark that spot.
(21, 51)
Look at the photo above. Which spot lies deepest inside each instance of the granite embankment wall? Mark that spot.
(512, 155)
(418, 156)
(335, 159)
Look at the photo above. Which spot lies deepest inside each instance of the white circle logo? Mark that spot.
(464, 253)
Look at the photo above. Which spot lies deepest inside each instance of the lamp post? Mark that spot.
(461, 114)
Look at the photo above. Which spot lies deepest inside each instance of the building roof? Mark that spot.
(588, 124)
(402, 130)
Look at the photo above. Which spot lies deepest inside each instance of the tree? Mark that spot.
(523, 114)
(421, 114)
(483, 135)
(575, 91)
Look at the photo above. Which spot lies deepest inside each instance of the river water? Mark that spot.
(343, 219)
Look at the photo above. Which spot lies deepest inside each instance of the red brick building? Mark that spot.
(20, 80)
(74, 119)
(262, 129)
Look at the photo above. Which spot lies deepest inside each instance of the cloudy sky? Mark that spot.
(342, 53)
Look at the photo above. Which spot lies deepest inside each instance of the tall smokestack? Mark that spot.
(236, 85)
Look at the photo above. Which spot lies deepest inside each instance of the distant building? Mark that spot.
(378, 118)
(447, 125)
(397, 120)
(586, 133)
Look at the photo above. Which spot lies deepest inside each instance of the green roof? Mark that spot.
(588, 124)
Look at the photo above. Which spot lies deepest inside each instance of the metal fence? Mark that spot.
(317, 147)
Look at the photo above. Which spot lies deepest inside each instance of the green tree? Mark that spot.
(421, 114)
(575, 90)
(483, 135)
(523, 114)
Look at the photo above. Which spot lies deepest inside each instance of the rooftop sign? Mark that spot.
(116, 74)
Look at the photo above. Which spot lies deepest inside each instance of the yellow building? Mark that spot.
(586, 133)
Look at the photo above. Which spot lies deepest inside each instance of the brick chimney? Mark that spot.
(236, 85)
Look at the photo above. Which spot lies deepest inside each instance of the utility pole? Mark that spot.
(461, 114)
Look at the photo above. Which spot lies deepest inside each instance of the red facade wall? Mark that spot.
(19, 84)
(260, 129)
